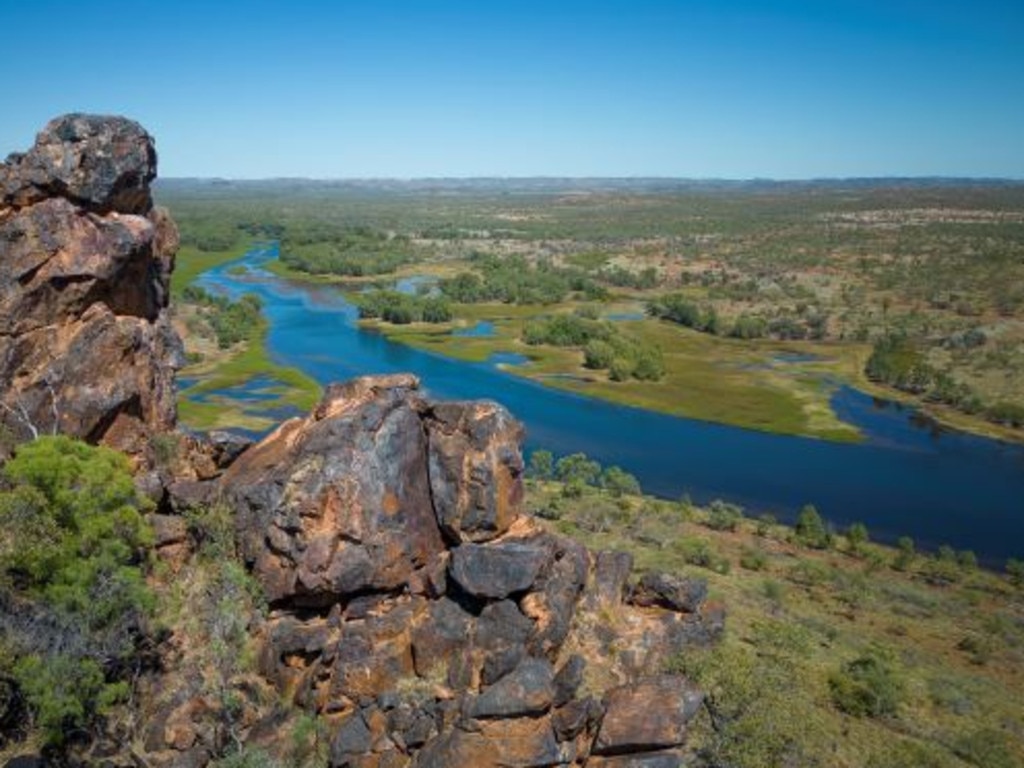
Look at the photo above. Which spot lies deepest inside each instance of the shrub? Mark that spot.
(810, 529)
(753, 559)
(905, 554)
(723, 516)
(542, 465)
(868, 686)
(74, 539)
(857, 537)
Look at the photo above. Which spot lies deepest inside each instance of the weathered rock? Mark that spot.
(101, 163)
(676, 593)
(338, 503)
(523, 742)
(86, 346)
(497, 570)
(476, 469)
(569, 679)
(527, 690)
(647, 716)
(608, 585)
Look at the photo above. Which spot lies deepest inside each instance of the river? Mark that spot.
(907, 478)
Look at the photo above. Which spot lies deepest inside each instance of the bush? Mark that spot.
(542, 465)
(74, 543)
(753, 559)
(723, 516)
(857, 537)
(868, 686)
(810, 529)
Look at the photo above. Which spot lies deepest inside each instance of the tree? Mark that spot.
(857, 536)
(577, 468)
(906, 553)
(619, 483)
(542, 465)
(810, 528)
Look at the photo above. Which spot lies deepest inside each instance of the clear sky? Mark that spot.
(383, 88)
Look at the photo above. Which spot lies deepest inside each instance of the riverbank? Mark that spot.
(239, 387)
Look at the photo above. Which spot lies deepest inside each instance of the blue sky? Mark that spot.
(785, 89)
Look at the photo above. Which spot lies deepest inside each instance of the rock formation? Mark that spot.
(419, 612)
(86, 347)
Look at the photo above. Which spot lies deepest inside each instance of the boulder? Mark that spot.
(527, 690)
(476, 469)
(646, 716)
(338, 503)
(676, 593)
(497, 570)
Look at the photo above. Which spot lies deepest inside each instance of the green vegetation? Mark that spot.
(353, 251)
(73, 598)
(842, 656)
(928, 274)
(402, 308)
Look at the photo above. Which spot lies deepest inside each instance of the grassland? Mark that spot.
(952, 636)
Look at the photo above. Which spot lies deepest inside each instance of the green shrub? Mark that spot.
(723, 516)
(811, 530)
(868, 686)
(74, 541)
(753, 559)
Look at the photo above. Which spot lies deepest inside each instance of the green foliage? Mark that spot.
(759, 719)
(231, 321)
(352, 251)
(618, 482)
(908, 754)
(905, 553)
(811, 530)
(402, 308)
(896, 361)
(753, 559)
(677, 308)
(515, 280)
(74, 544)
(542, 465)
(699, 552)
(868, 686)
(723, 516)
(857, 537)
(1015, 571)
(577, 468)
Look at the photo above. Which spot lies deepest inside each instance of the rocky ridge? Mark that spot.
(86, 346)
(414, 608)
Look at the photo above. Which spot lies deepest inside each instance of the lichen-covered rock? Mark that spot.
(497, 570)
(86, 345)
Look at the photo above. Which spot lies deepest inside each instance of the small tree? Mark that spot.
(868, 686)
(905, 553)
(857, 536)
(1015, 571)
(542, 465)
(810, 529)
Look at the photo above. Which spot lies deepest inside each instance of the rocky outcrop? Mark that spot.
(86, 347)
(426, 619)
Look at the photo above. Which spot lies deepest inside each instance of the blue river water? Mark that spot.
(907, 478)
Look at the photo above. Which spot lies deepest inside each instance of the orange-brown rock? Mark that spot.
(86, 346)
